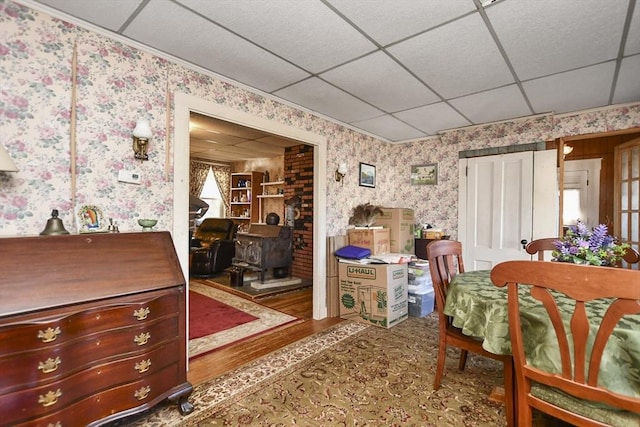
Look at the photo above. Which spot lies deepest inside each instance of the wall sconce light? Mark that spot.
(341, 172)
(6, 164)
(141, 137)
(567, 149)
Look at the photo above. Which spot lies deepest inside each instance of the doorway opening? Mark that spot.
(184, 106)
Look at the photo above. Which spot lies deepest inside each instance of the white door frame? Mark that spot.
(183, 105)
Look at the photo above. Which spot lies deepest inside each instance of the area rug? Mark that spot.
(208, 316)
(265, 319)
(351, 374)
(246, 291)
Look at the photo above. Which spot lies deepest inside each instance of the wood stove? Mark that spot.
(265, 247)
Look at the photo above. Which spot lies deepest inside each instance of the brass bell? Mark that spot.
(54, 225)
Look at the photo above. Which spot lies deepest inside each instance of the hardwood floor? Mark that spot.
(299, 304)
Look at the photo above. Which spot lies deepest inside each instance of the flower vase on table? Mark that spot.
(582, 245)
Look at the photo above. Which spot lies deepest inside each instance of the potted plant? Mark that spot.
(580, 245)
(364, 215)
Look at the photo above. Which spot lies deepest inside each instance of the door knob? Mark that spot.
(524, 243)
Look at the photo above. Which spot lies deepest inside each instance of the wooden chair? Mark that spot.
(539, 246)
(445, 261)
(551, 392)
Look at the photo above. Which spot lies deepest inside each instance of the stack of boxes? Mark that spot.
(378, 293)
(420, 286)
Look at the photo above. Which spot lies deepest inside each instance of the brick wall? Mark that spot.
(298, 175)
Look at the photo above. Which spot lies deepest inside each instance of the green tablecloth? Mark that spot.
(480, 309)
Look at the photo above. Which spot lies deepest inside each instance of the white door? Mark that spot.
(499, 194)
(581, 192)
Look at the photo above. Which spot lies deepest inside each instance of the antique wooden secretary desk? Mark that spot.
(92, 328)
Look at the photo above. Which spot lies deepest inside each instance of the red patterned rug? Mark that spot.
(218, 319)
(208, 316)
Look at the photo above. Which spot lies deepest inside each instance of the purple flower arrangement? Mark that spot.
(583, 246)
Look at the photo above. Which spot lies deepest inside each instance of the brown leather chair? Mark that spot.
(564, 394)
(217, 246)
(445, 261)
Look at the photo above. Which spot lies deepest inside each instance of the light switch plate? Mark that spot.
(129, 177)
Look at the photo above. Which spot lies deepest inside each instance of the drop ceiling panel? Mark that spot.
(633, 39)
(174, 30)
(628, 87)
(432, 118)
(305, 32)
(493, 104)
(456, 59)
(326, 99)
(389, 127)
(558, 35)
(110, 14)
(387, 86)
(389, 21)
(573, 90)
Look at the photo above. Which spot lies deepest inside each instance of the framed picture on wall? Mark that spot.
(367, 175)
(424, 174)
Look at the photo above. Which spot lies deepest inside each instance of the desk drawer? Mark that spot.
(44, 399)
(24, 334)
(27, 370)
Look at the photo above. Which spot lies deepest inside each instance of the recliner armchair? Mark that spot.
(217, 246)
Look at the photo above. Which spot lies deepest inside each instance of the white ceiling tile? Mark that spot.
(493, 105)
(628, 86)
(320, 96)
(305, 32)
(389, 21)
(571, 91)
(433, 118)
(389, 127)
(110, 14)
(633, 38)
(378, 79)
(197, 40)
(543, 37)
(456, 59)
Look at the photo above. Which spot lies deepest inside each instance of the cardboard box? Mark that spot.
(333, 297)
(376, 240)
(401, 225)
(375, 294)
(333, 244)
(421, 304)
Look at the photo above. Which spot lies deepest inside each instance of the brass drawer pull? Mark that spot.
(142, 313)
(49, 334)
(143, 366)
(142, 339)
(50, 398)
(49, 365)
(142, 393)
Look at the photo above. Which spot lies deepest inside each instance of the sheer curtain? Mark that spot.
(222, 174)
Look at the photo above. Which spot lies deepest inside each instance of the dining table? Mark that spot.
(479, 309)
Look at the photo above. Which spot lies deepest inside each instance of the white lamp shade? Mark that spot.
(342, 168)
(6, 164)
(142, 130)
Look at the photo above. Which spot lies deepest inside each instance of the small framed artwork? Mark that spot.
(90, 220)
(367, 175)
(424, 174)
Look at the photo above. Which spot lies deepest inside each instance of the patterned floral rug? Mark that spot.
(351, 374)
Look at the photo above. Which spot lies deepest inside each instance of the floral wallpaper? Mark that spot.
(118, 84)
